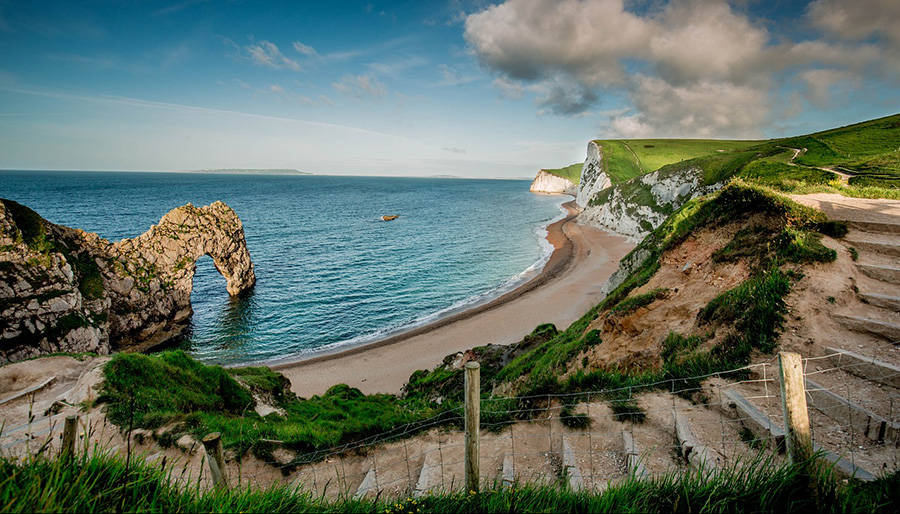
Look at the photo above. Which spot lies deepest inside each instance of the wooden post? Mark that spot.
(68, 441)
(216, 458)
(473, 420)
(798, 438)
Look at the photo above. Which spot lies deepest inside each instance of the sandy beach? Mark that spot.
(583, 258)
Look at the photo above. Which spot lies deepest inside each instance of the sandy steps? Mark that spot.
(865, 367)
(885, 329)
(882, 273)
(848, 413)
(873, 227)
(884, 301)
(769, 428)
(867, 244)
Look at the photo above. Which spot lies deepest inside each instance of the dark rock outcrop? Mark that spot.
(66, 290)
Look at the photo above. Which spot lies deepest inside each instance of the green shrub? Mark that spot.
(575, 421)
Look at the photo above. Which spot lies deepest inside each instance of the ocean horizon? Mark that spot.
(330, 273)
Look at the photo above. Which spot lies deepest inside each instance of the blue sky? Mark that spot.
(466, 88)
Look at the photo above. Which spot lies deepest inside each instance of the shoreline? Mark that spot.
(567, 286)
(560, 257)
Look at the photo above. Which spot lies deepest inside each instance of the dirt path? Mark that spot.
(845, 178)
(839, 207)
(636, 159)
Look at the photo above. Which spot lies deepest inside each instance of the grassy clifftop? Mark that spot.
(870, 148)
(627, 159)
(571, 172)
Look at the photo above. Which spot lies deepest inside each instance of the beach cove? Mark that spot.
(570, 283)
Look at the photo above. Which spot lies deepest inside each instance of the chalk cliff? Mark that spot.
(66, 290)
(635, 207)
(593, 176)
(546, 182)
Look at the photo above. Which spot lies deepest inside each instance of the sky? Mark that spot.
(417, 88)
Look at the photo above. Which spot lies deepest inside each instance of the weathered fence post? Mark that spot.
(473, 420)
(798, 439)
(68, 441)
(216, 457)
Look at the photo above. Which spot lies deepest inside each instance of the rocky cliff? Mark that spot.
(593, 177)
(635, 207)
(546, 182)
(66, 290)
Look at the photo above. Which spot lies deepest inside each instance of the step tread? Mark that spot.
(880, 272)
(880, 327)
(867, 238)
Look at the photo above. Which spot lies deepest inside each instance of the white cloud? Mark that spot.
(856, 20)
(560, 96)
(267, 54)
(631, 127)
(305, 49)
(823, 84)
(361, 87)
(707, 109)
(702, 39)
(689, 67)
(531, 39)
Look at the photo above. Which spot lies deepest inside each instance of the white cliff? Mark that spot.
(546, 182)
(593, 177)
(636, 207)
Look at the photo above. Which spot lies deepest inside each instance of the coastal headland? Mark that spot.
(570, 283)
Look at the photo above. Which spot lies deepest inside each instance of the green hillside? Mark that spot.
(629, 158)
(571, 172)
(869, 152)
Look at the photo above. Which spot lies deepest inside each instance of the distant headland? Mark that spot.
(249, 171)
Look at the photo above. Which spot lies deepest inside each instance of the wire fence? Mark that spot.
(591, 439)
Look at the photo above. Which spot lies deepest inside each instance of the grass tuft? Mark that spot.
(99, 482)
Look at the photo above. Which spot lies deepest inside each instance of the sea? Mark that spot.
(330, 274)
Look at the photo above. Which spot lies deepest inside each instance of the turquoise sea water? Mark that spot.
(329, 272)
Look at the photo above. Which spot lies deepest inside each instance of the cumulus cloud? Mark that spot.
(361, 87)
(700, 67)
(859, 19)
(823, 84)
(532, 39)
(705, 109)
(705, 39)
(559, 96)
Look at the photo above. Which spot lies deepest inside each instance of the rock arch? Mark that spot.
(153, 273)
(67, 290)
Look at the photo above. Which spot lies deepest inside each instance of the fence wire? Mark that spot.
(590, 439)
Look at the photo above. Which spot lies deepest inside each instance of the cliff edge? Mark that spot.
(67, 290)
(546, 182)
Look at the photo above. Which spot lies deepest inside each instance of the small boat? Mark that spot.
(390, 218)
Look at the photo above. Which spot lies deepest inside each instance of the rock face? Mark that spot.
(66, 290)
(636, 207)
(546, 182)
(593, 177)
